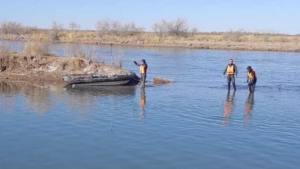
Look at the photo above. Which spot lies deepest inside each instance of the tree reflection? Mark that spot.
(41, 98)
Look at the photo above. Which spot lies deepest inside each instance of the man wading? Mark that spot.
(231, 71)
(143, 70)
(251, 79)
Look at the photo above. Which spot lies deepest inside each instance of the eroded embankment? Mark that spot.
(50, 68)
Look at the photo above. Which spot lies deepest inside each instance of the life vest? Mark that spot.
(250, 75)
(142, 69)
(230, 70)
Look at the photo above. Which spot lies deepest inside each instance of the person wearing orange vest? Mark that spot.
(251, 79)
(231, 71)
(143, 70)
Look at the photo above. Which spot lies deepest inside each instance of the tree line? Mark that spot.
(163, 27)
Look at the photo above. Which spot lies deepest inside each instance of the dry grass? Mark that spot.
(5, 49)
(52, 68)
(36, 45)
(233, 40)
(159, 80)
(150, 38)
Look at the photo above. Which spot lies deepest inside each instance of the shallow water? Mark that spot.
(191, 123)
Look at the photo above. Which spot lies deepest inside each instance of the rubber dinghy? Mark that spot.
(128, 79)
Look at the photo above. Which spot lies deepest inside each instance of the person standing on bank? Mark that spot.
(231, 71)
(251, 79)
(143, 70)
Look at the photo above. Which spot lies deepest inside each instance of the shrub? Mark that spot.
(36, 46)
(5, 48)
(56, 28)
(16, 28)
(74, 26)
(114, 27)
(177, 27)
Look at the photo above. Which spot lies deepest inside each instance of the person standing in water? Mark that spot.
(231, 71)
(251, 79)
(143, 70)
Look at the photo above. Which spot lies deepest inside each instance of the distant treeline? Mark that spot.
(178, 27)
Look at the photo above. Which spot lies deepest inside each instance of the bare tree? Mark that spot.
(131, 29)
(103, 26)
(178, 27)
(56, 27)
(8, 27)
(11, 27)
(161, 28)
(114, 27)
(74, 26)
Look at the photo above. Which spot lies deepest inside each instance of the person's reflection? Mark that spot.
(228, 106)
(249, 107)
(142, 103)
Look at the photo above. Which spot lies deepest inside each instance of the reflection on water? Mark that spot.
(228, 107)
(100, 90)
(38, 97)
(249, 107)
(142, 102)
(182, 124)
(81, 99)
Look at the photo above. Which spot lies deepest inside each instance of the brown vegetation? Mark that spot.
(159, 80)
(17, 28)
(114, 27)
(5, 48)
(175, 33)
(50, 68)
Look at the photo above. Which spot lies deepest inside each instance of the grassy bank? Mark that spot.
(226, 41)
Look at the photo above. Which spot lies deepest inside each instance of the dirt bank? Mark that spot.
(50, 68)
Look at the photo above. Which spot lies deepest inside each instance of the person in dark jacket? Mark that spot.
(251, 79)
(143, 70)
(231, 71)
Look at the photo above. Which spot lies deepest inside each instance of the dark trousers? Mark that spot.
(251, 86)
(143, 79)
(231, 79)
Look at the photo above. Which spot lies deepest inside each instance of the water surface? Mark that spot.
(191, 123)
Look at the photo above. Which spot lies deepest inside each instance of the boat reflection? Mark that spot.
(228, 107)
(101, 90)
(36, 96)
(41, 98)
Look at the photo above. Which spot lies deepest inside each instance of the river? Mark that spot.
(190, 123)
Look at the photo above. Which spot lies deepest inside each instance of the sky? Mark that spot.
(206, 15)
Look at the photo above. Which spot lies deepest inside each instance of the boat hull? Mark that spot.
(112, 83)
(101, 80)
